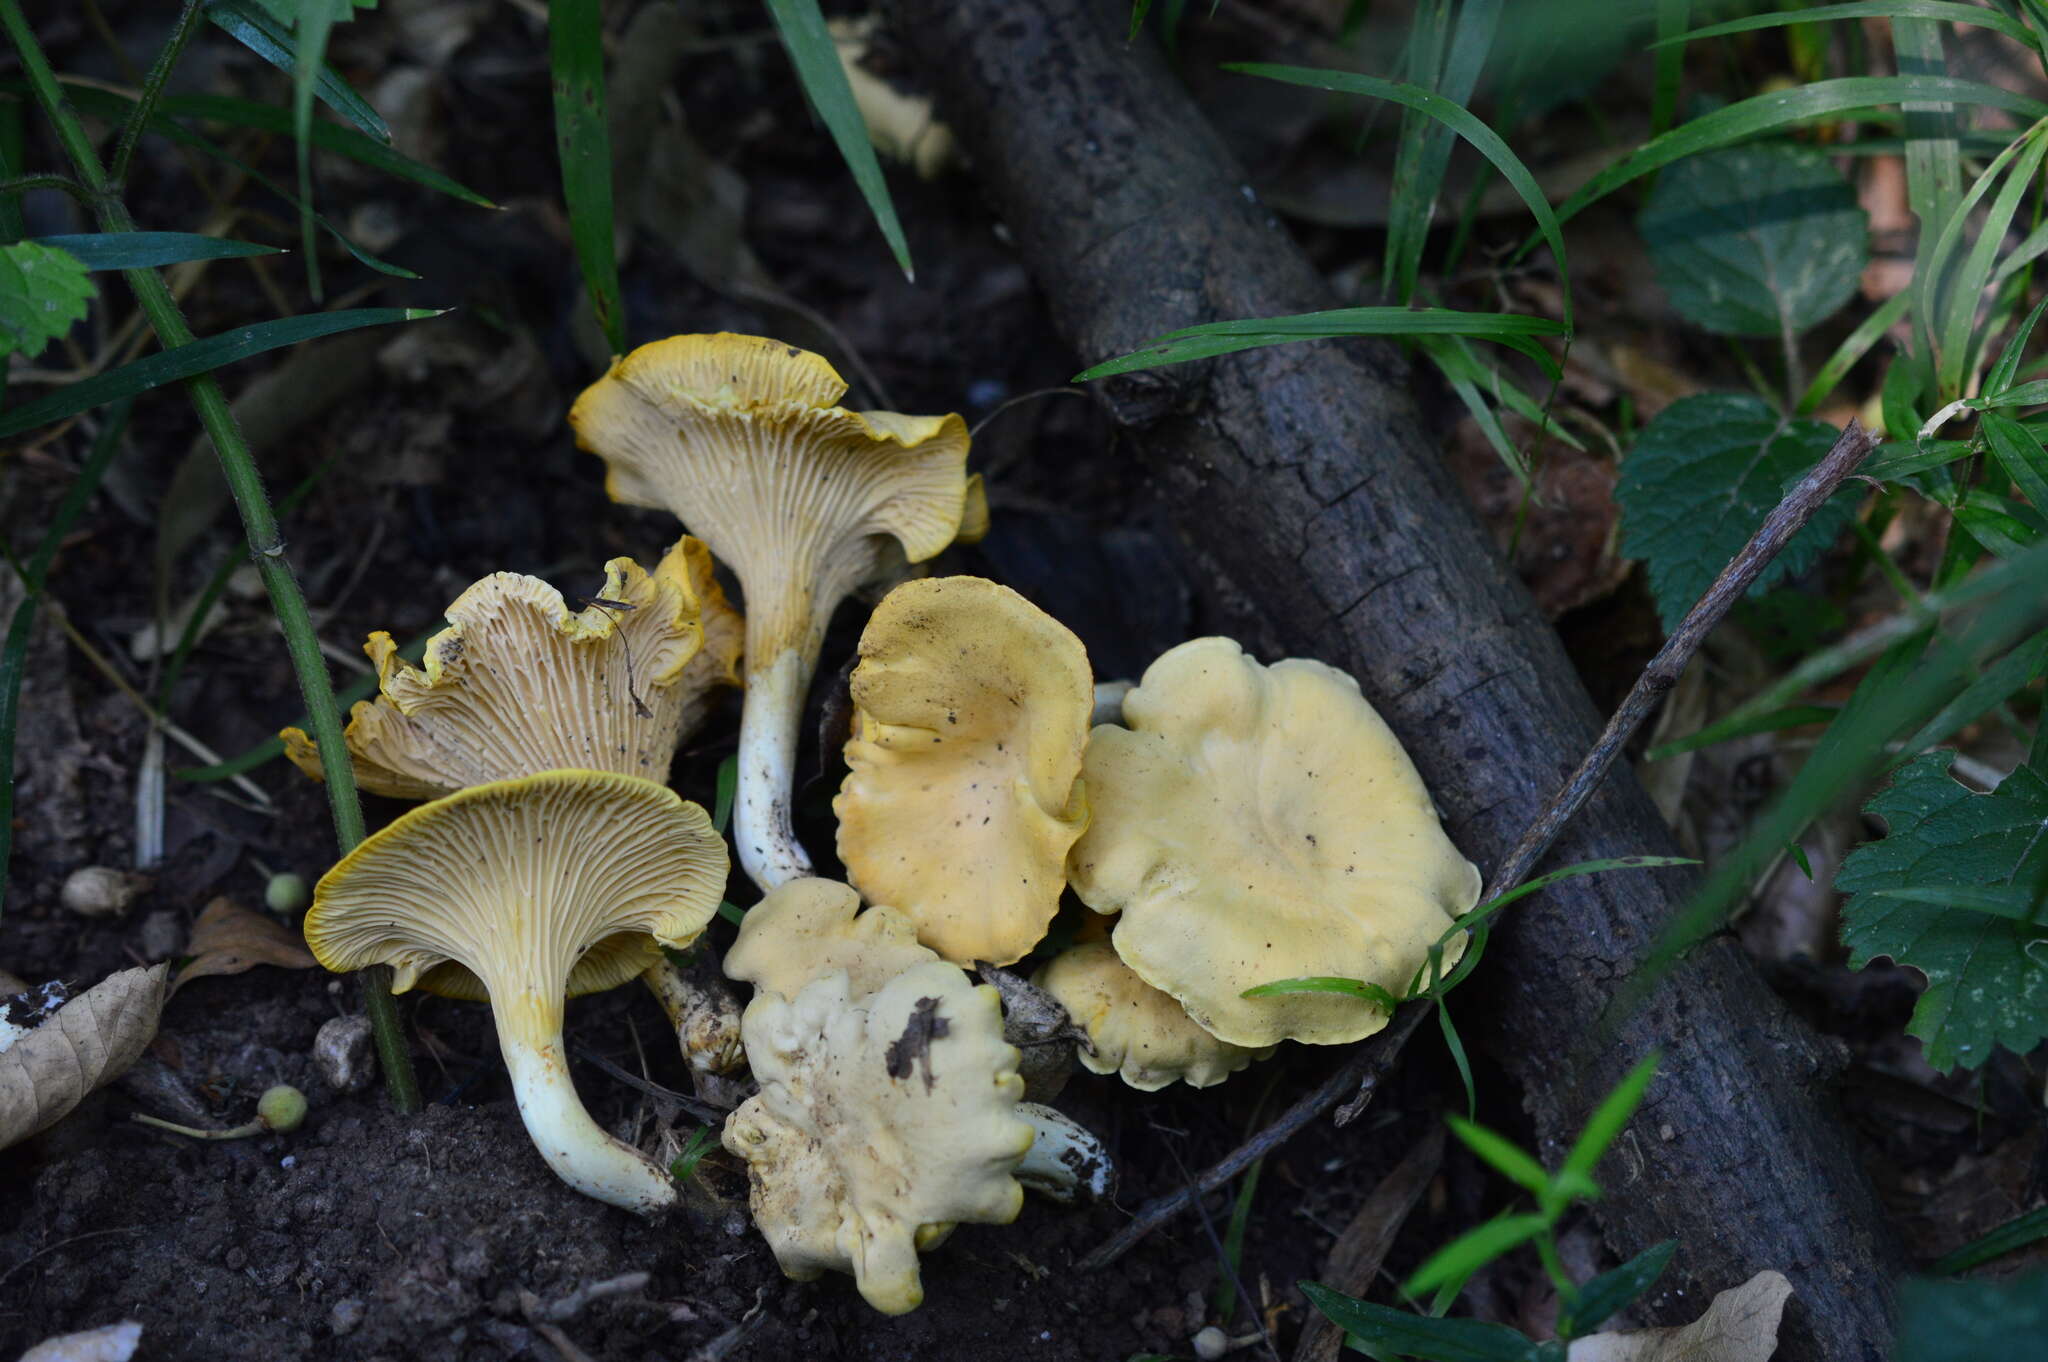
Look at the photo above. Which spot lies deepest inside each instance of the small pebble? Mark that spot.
(161, 936)
(346, 1315)
(344, 1055)
(102, 891)
(1211, 1343)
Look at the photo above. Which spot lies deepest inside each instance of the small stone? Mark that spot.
(344, 1054)
(346, 1316)
(161, 936)
(102, 891)
(1211, 1343)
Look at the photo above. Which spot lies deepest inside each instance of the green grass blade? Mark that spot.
(330, 137)
(1354, 988)
(1455, 357)
(1672, 17)
(1223, 338)
(1854, 347)
(1935, 11)
(316, 20)
(816, 59)
(1998, 382)
(1485, 911)
(1503, 1155)
(1456, 1045)
(201, 356)
(111, 107)
(1410, 204)
(1608, 1119)
(1474, 1249)
(1741, 726)
(1782, 109)
(20, 629)
(583, 141)
(1233, 1240)
(147, 250)
(1966, 290)
(1461, 121)
(1934, 177)
(2010, 1237)
(728, 786)
(254, 28)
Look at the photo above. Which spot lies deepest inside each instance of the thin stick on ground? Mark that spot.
(1369, 1063)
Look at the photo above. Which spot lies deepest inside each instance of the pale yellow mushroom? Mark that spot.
(962, 794)
(740, 437)
(1254, 824)
(884, 1119)
(523, 884)
(519, 683)
(1138, 1033)
(808, 928)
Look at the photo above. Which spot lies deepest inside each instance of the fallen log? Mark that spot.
(1302, 480)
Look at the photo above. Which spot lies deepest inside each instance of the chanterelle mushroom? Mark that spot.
(808, 928)
(518, 683)
(1262, 823)
(739, 436)
(883, 1120)
(538, 887)
(1136, 1031)
(962, 795)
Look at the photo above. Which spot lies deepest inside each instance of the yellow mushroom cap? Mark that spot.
(805, 929)
(1138, 1033)
(1261, 823)
(963, 794)
(520, 880)
(883, 1120)
(518, 683)
(803, 499)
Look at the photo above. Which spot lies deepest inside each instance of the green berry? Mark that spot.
(286, 893)
(281, 1109)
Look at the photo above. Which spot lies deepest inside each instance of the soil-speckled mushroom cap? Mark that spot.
(1262, 823)
(882, 1122)
(1139, 1033)
(519, 683)
(962, 795)
(808, 928)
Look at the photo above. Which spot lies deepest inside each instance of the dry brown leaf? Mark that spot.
(1740, 1326)
(89, 1041)
(229, 939)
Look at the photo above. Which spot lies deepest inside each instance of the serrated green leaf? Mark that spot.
(1610, 1291)
(1760, 240)
(1951, 1321)
(43, 290)
(1702, 477)
(1987, 977)
(1397, 1331)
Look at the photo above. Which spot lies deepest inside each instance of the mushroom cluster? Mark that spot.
(1221, 824)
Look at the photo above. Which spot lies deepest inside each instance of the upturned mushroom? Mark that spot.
(805, 929)
(740, 437)
(962, 794)
(1135, 1031)
(534, 888)
(884, 1119)
(518, 683)
(1254, 824)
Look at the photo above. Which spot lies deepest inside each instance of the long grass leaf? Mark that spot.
(147, 250)
(1767, 113)
(1409, 205)
(201, 356)
(1854, 347)
(816, 58)
(1964, 292)
(1934, 177)
(1460, 120)
(21, 628)
(1672, 17)
(1222, 338)
(584, 144)
(330, 137)
(1939, 11)
(2013, 1235)
(1455, 356)
(1998, 381)
(254, 28)
(316, 20)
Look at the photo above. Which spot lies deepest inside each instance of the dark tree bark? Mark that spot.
(1301, 476)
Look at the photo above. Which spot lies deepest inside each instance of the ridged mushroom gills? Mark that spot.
(534, 888)
(805, 500)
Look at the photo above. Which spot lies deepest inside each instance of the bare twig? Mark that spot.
(568, 1307)
(1368, 1064)
(703, 1111)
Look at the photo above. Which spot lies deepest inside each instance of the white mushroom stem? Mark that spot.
(1066, 1162)
(574, 1145)
(706, 1020)
(767, 770)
